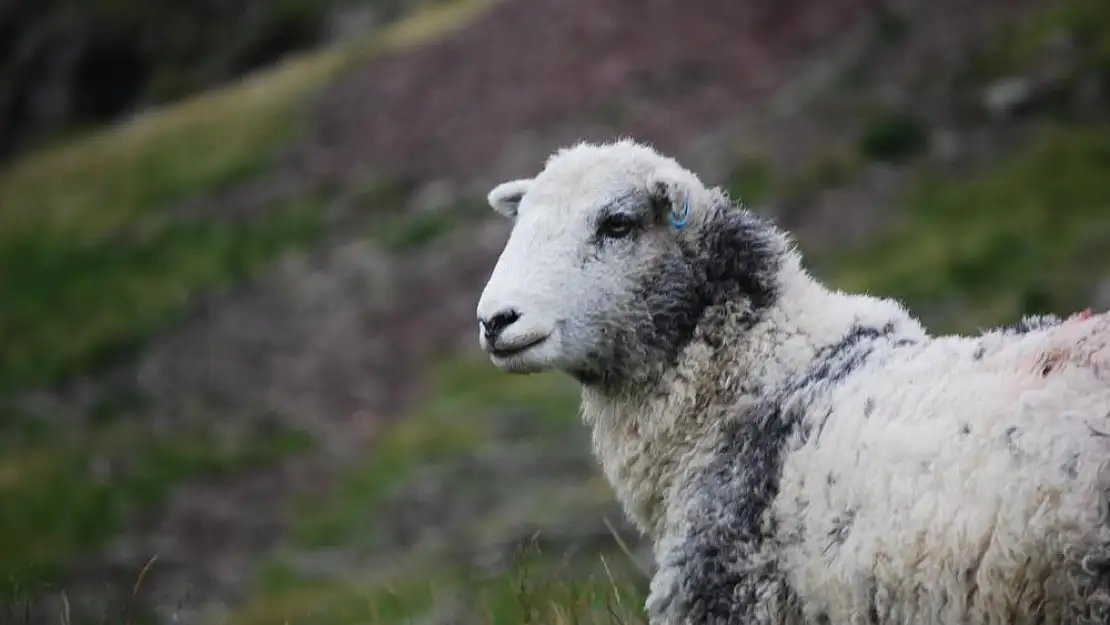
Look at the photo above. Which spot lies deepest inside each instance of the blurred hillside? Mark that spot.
(238, 375)
(66, 65)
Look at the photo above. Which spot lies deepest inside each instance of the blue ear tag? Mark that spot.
(679, 219)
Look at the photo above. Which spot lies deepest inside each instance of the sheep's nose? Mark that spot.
(496, 323)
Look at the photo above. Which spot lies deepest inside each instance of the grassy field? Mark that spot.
(472, 411)
(1028, 235)
(62, 494)
(95, 260)
(537, 591)
(93, 263)
(1025, 235)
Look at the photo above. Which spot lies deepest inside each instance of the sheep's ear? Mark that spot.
(505, 198)
(669, 195)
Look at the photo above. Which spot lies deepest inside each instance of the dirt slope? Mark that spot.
(666, 69)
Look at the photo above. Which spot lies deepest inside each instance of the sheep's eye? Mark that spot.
(616, 226)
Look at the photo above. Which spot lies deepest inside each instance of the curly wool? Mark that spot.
(822, 459)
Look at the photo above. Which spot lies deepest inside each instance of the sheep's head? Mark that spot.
(605, 273)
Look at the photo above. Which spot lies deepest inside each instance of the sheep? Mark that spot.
(794, 453)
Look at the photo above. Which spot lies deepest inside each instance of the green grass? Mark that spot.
(752, 181)
(831, 169)
(75, 298)
(890, 27)
(894, 136)
(1027, 235)
(61, 495)
(92, 262)
(455, 421)
(95, 259)
(406, 234)
(1086, 22)
(337, 602)
(537, 590)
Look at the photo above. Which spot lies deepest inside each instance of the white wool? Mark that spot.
(960, 468)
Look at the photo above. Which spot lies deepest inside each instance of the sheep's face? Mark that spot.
(595, 278)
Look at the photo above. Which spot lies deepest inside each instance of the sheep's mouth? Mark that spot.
(518, 348)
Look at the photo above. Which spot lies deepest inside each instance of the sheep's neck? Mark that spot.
(649, 440)
(646, 442)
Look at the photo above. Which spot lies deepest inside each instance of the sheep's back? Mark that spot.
(952, 478)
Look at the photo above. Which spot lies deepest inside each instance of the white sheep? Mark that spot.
(794, 453)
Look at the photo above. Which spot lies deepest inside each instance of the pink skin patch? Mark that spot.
(1082, 315)
(1083, 339)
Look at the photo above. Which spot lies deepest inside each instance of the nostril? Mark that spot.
(500, 321)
